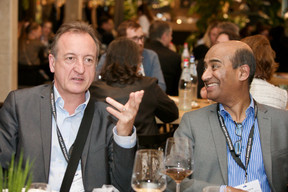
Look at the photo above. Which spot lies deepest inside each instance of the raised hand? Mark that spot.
(125, 113)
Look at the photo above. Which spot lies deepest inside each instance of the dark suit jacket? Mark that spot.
(170, 64)
(26, 123)
(210, 149)
(154, 102)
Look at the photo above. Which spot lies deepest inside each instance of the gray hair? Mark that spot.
(75, 27)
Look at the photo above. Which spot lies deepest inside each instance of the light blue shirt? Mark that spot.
(69, 125)
(256, 170)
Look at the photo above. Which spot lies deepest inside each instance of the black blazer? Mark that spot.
(170, 64)
(154, 102)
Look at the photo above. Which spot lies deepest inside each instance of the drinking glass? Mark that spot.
(215, 189)
(178, 159)
(148, 172)
(39, 187)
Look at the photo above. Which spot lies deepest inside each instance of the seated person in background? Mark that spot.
(227, 36)
(201, 49)
(30, 54)
(220, 132)
(28, 123)
(170, 61)
(120, 76)
(261, 90)
(30, 46)
(46, 39)
(150, 65)
(105, 28)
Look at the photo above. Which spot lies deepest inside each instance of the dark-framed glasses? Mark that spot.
(238, 143)
(136, 38)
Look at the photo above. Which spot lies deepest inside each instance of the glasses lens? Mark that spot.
(239, 129)
(237, 147)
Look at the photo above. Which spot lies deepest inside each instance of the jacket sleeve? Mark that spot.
(8, 130)
(167, 110)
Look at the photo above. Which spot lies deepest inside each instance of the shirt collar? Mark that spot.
(249, 111)
(60, 102)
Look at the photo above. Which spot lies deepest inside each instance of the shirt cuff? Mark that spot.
(222, 188)
(126, 142)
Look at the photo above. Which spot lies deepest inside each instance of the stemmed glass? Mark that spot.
(39, 187)
(178, 159)
(148, 172)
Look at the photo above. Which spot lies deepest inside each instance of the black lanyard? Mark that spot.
(230, 144)
(59, 135)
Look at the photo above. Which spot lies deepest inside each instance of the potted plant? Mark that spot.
(16, 179)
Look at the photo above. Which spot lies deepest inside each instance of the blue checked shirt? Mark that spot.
(236, 175)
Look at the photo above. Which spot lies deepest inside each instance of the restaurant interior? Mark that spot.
(188, 19)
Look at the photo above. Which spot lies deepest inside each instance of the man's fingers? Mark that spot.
(115, 104)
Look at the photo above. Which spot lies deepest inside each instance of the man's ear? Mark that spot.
(52, 61)
(244, 72)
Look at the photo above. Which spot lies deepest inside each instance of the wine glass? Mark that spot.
(39, 187)
(148, 172)
(178, 159)
(215, 189)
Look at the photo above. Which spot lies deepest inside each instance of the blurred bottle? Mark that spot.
(194, 78)
(185, 54)
(185, 89)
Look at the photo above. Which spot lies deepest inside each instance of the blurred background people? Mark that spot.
(145, 18)
(30, 55)
(279, 43)
(261, 90)
(227, 36)
(201, 49)
(150, 65)
(120, 75)
(46, 39)
(159, 41)
(105, 30)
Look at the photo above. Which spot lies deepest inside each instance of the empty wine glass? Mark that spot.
(148, 172)
(178, 159)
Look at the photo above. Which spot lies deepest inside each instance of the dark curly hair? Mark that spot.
(122, 62)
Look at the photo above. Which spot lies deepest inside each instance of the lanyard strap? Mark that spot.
(230, 144)
(59, 135)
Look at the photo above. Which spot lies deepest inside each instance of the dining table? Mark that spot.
(196, 104)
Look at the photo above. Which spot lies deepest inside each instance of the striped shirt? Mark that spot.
(256, 170)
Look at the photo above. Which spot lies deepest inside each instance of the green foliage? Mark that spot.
(266, 12)
(130, 9)
(15, 179)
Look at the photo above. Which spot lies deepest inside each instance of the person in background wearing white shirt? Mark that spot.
(40, 119)
(261, 90)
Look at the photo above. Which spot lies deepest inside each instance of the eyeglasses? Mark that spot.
(238, 143)
(136, 38)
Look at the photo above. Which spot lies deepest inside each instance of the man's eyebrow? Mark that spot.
(214, 61)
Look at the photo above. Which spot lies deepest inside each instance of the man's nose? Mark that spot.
(206, 74)
(79, 66)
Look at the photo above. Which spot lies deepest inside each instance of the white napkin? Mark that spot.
(106, 188)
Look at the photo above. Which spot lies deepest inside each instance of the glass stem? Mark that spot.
(177, 187)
